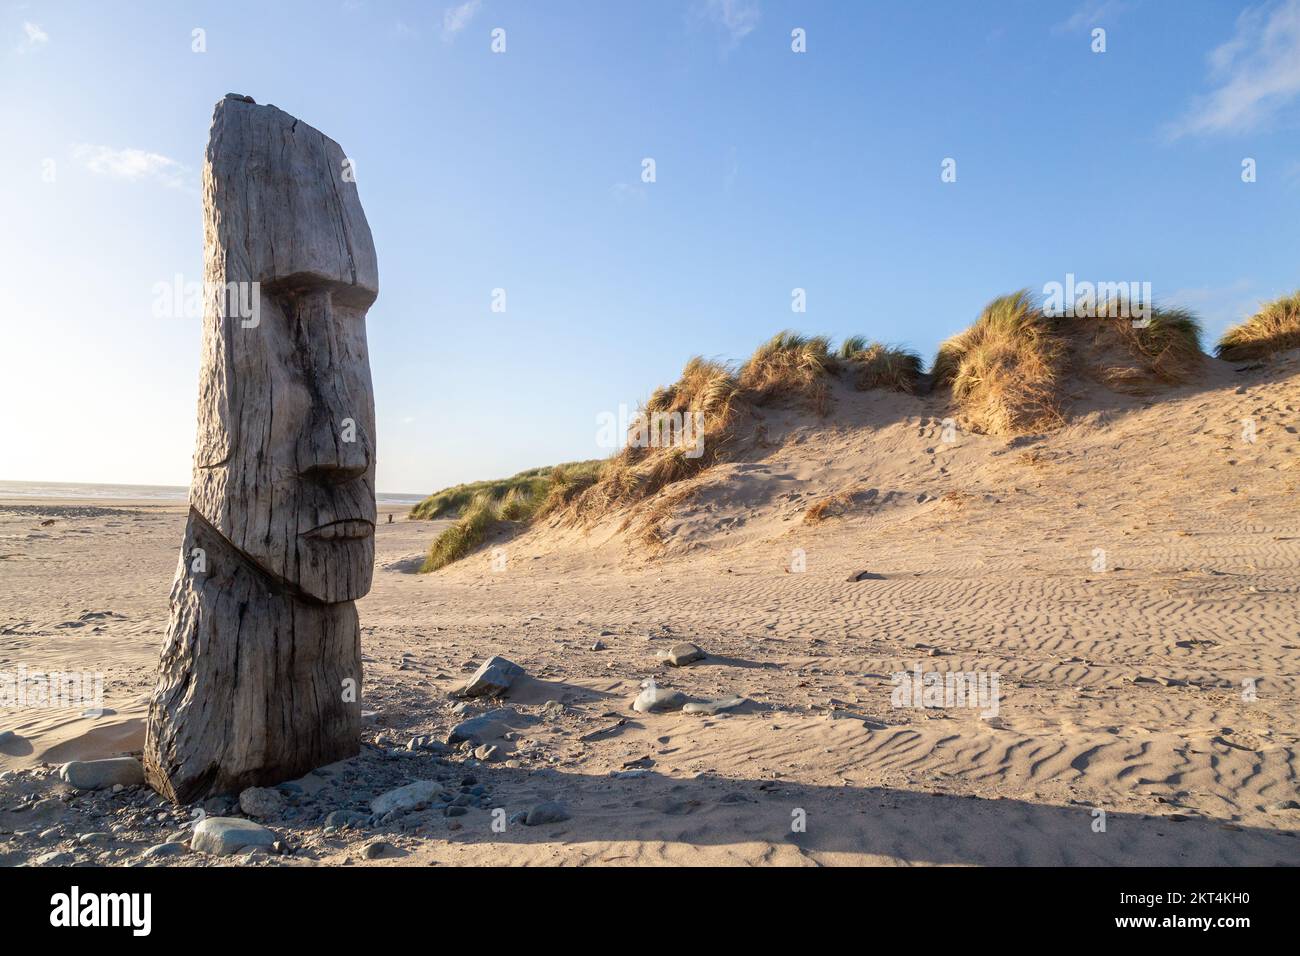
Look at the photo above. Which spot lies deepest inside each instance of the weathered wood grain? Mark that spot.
(263, 642)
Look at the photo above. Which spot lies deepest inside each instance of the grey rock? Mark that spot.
(413, 796)
(546, 812)
(426, 742)
(375, 849)
(57, 858)
(486, 752)
(93, 839)
(655, 700)
(712, 706)
(492, 679)
(97, 774)
(166, 850)
(486, 727)
(679, 655)
(224, 836)
(343, 819)
(219, 806)
(261, 802)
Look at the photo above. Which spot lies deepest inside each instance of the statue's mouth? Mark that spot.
(349, 529)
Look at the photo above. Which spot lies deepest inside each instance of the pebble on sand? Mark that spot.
(654, 699)
(97, 774)
(224, 836)
(546, 812)
(413, 796)
(679, 655)
(492, 679)
(710, 707)
(166, 849)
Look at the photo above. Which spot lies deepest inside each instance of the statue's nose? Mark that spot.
(335, 446)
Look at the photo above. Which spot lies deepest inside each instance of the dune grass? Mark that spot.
(707, 395)
(1008, 371)
(1274, 328)
(1004, 370)
(528, 496)
(790, 367)
(880, 366)
(464, 536)
(533, 484)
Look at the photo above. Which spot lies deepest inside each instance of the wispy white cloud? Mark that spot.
(738, 18)
(1256, 74)
(1091, 14)
(457, 18)
(135, 165)
(33, 37)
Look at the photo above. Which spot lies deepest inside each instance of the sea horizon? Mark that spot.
(89, 490)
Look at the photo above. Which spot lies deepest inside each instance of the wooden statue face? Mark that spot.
(285, 459)
(295, 493)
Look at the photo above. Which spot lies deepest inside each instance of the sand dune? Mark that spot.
(1123, 679)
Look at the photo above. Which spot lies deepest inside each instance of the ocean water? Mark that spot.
(80, 491)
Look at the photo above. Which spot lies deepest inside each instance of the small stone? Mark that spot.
(375, 849)
(547, 812)
(492, 679)
(712, 706)
(426, 742)
(864, 576)
(97, 774)
(598, 646)
(261, 802)
(456, 811)
(486, 752)
(343, 819)
(413, 796)
(225, 836)
(56, 858)
(484, 727)
(679, 655)
(166, 849)
(654, 700)
(218, 807)
(93, 839)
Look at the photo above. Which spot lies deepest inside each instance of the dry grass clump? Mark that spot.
(451, 502)
(791, 367)
(682, 430)
(880, 366)
(1274, 328)
(1005, 369)
(834, 506)
(478, 518)
(567, 483)
(528, 497)
(1131, 354)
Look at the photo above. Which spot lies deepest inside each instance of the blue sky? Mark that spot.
(521, 170)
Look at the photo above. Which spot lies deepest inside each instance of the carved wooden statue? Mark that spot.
(260, 679)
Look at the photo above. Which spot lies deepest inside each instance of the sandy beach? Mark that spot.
(1155, 691)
